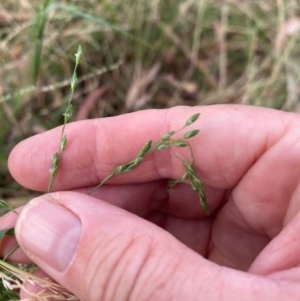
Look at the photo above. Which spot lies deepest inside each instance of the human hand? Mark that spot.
(103, 247)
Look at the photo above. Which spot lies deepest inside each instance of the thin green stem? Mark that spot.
(67, 115)
(7, 206)
(10, 252)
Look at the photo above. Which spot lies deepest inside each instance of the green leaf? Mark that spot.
(190, 134)
(192, 119)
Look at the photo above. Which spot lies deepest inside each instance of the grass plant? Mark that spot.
(160, 53)
(16, 275)
(173, 53)
(12, 278)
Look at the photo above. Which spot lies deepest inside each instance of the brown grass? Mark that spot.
(168, 53)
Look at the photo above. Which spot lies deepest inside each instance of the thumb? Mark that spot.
(101, 252)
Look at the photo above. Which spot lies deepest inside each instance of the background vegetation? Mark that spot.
(139, 54)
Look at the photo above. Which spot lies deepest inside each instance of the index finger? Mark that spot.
(231, 138)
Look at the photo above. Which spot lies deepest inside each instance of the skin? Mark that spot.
(141, 241)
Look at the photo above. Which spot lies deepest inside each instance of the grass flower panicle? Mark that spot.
(163, 143)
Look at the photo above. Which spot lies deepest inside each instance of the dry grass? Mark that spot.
(21, 277)
(192, 52)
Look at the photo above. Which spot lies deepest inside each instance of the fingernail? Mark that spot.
(49, 232)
